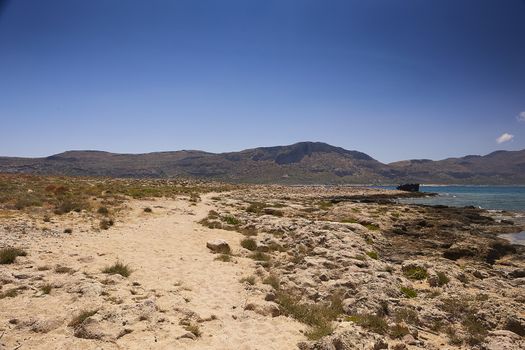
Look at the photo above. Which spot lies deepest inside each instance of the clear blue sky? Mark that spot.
(396, 79)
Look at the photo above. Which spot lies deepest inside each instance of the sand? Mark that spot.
(172, 270)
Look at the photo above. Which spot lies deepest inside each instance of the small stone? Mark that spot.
(188, 335)
(218, 246)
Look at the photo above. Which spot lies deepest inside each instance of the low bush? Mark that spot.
(249, 243)
(408, 292)
(373, 323)
(9, 255)
(415, 273)
(118, 268)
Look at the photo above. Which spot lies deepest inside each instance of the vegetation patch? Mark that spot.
(373, 323)
(64, 269)
(318, 316)
(273, 281)
(230, 220)
(194, 329)
(442, 279)
(260, 256)
(46, 288)
(415, 273)
(118, 268)
(9, 255)
(249, 243)
(224, 257)
(249, 279)
(11, 293)
(372, 255)
(398, 331)
(371, 227)
(105, 224)
(408, 292)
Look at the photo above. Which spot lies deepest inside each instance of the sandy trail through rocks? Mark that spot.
(172, 266)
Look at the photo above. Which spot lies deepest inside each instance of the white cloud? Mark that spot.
(506, 137)
(521, 117)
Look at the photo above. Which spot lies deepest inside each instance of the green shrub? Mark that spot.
(372, 255)
(371, 322)
(409, 292)
(415, 273)
(371, 227)
(9, 255)
(318, 316)
(442, 279)
(231, 220)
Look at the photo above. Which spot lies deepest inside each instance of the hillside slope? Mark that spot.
(300, 163)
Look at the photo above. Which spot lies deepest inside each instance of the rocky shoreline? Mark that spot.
(274, 267)
(408, 276)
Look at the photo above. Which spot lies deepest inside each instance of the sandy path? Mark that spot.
(167, 251)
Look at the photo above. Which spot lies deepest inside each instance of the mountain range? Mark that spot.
(300, 163)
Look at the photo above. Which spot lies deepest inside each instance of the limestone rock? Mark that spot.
(218, 246)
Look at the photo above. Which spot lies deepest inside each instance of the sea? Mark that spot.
(492, 198)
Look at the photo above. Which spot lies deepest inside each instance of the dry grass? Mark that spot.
(373, 323)
(249, 243)
(259, 256)
(318, 316)
(11, 293)
(273, 281)
(224, 258)
(118, 268)
(9, 255)
(46, 288)
(105, 224)
(64, 269)
(249, 279)
(194, 329)
(62, 194)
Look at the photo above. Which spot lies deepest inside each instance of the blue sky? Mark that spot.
(396, 79)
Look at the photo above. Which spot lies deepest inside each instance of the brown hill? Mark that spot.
(300, 163)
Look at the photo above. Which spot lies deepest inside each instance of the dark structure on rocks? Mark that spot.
(409, 187)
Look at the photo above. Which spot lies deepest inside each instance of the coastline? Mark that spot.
(305, 267)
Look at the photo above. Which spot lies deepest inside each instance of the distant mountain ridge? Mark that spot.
(300, 163)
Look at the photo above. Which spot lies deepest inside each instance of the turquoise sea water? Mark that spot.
(509, 198)
(487, 197)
